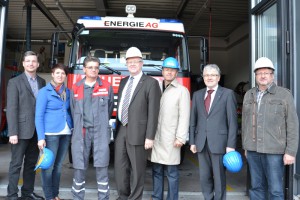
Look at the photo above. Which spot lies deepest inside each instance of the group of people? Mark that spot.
(152, 123)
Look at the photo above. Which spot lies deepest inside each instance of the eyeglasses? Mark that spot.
(133, 62)
(263, 73)
(92, 68)
(210, 75)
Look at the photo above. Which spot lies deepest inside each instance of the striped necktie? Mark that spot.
(126, 102)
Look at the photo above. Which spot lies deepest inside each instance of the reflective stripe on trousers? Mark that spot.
(78, 187)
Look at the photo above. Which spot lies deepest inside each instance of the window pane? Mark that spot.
(267, 35)
(110, 47)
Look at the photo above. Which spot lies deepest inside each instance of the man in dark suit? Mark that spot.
(137, 114)
(21, 94)
(213, 130)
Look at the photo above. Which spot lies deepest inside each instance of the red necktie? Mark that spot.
(207, 100)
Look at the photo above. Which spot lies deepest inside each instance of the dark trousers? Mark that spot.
(212, 175)
(129, 159)
(26, 150)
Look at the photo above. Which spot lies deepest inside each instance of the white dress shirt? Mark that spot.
(212, 95)
(136, 80)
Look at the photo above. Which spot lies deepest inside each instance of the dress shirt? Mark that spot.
(136, 80)
(33, 84)
(212, 95)
(260, 94)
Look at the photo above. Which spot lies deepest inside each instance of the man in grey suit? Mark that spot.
(21, 94)
(137, 114)
(213, 130)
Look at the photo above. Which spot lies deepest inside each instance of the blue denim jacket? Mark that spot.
(274, 128)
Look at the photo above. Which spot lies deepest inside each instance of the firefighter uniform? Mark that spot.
(91, 110)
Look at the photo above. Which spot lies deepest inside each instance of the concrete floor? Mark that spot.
(189, 180)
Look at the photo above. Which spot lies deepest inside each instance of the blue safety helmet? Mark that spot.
(170, 62)
(233, 161)
(46, 159)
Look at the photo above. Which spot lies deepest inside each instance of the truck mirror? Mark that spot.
(78, 28)
(203, 49)
(203, 52)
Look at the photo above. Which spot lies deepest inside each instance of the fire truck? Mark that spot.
(108, 38)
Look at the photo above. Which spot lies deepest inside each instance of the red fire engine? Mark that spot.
(108, 38)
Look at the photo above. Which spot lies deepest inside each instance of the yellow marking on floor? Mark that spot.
(21, 179)
(193, 160)
(228, 188)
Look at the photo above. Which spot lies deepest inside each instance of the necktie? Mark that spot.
(126, 101)
(207, 100)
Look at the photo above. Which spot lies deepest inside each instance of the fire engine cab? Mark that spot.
(108, 38)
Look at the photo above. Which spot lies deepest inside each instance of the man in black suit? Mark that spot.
(21, 94)
(137, 114)
(213, 130)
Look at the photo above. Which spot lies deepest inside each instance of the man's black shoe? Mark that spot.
(32, 196)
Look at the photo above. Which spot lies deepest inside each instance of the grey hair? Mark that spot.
(212, 66)
(29, 53)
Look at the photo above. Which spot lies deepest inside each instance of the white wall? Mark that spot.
(238, 54)
(231, 54)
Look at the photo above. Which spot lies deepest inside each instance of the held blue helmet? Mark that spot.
(170, 62)
(46, 159)
(233, 161)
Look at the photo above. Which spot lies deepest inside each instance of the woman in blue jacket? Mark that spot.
(53, 124)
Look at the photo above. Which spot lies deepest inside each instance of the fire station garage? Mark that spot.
(232, 34)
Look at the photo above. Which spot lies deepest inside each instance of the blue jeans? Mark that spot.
(158, 181)
(59, 145)
(266, 172)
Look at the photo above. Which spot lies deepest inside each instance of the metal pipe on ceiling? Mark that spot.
(181, 8)
(28, 25)
(61, 8)
(101, 7)
(41, 6)
(197, 16)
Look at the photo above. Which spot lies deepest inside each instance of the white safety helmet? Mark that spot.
(133, 52)
(263, 62)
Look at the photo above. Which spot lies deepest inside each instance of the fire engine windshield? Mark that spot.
(110, 47)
